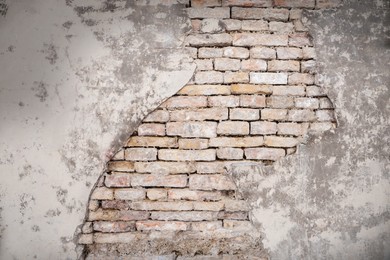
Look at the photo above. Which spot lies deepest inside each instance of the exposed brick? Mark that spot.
(203, 40)
(206, 226)
(304, 115)
(192, 129)
(280, 102)
(314, 91)
(141, 141)
(211, 182)
(164, 167)
(218, 12)
(157, 194)
(254, 65)
(186, 155)
(115, 215)
(308, 66)
(236, 52)
(231, 24)
(182, 101)
(209, 206)
(278, 141)
(236, 77)
(325, 115)
(160, 116)
(151, 129)
(291, 129)
(85, 239)
(271, 154)
(162, 205)
(107, 238)
(299, 26)
(117, 180)
(295, 3)
(205, 3)
(193, 52)
(254, 25)
(248, 3)
(186, 194)
(325, 103)
(233, 128)
(120, 155)
(204, 65)
(227, 101)
(288, 90)
(299, 40)
(283, 65)
(233, 215)
(236, 205)
(262, 53)
(289, 53)
(268, 78)
(120, 166)
(302, 102)
(296, 14)
(236, 141)
(113, 227)
(211, 167)
(215, 113)
(256, 101)
(250, 89)
(93, 204)
(258, 13)
(281, 27)
(211, 26)
(263, 128)
(273, 114)
(248, 114)
(321, 126)
(155, 180)
(226, 64)
(129, 194)
(204, 90)
(206, 53)
(196, 24)
(253, 39)
(230, 153)
(308, 53)
(209, 77)
(300, 78)
(196, 144)
(87, 228)
(116, 204)
(161, 225)
(185, 215)
(141, 154)
(102, 193)
(242, 226)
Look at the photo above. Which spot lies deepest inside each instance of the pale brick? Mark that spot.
(258, 13)
(233, 128)
(312, 103)
(211, 182)
(114, 238)
(283, 65)
(291, 150)
(206, 226)
(119, 156)
(295, 3)
(116, 215)
(157, 194)
(321, 126)
(182, 101)
(308, 66)
(300, 78)
(151, 130)
(236, 52)
(242, 226)
(314, 91)
(116, 204)
(236, 205)
(288, 90)
(206, 53)
(253, 39)
(328, 3)
(208, 206)
(263, 128)
(210, 167)
(281, 27)
(237, 141)
(280, 102)
(129, 194)
(204, 65)
(209, 77)
(299, 26)
(248, 3)
(224, 64)
(304, 115)
(161, 225)
(255, 101)
(221, 101)
(273, 114)
(215, 113)
(160, 116)
(325, 115)
(203, 40)
(151, 141)
(262, 53)
(186, 155)
(278, 141)
(85, 239)
(235, 77)
(254, 25)
(217, 12)
(325, 103)
(291, 129)
(102, 193)
(271, 154)
(120, 166)
(141, 154)
(289, 53)
(164, 167)
(87, 228)
(254, 65)
(231, 24)
(158, 180)
(250, 89)
(268, 78)
(185, 215)
(233, 215)
(308, 53)
(300, 40)
(196, 144)
(192, 129)
(230, 153)
(93, 204)
(117, 180)
(248, 114)
(211, 26)
(196, 24)
(113, 227)
(296, 14)
(186, 194)
(204, 90)
(162, 205)
(193, 52)
(205, 3)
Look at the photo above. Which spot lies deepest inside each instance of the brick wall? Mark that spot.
(253, 98)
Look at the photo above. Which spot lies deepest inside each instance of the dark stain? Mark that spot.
(3, 8)
(40, 91)
(67, 24)
(35, 228)
(61, 195)
(21, 104)
(80, 10)
(51, 53)
(25, 201)
(11, 48)
(90, 22)
(26, 171)
(52, 213)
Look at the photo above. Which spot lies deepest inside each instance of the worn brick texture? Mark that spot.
(253, 98)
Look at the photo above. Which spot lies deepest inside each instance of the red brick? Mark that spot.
(102, 193)
(250, 89)
(205, 3)
(116, 204)
(209, 206)
(295, 3)
(203, 40)
(193, 144)
(116, 215)
(157, 194)
(248, 3)
(185, 215)
(254, 65)
(224, 101)
(235, 77)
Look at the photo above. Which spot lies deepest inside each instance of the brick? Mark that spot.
(119, 156)
(211, 26)
(224, 64)
(185, 215)
(221, 101)
(161, 226)
(231, 24)
(141, 141)
(281, 27)
(204, 65)
(115, 215)
(325, 115)
(327, 3)
(296, 14)
(206, 53)
(211, 182)
(182, 101)
(215, 113)
(206, 226)
(196, 24)
(236, 225)
(113, 227)
(268, 78)
(157, 194)
(299, 40)
(278, 141)
(273, 114)
(248, 114)
(151, 130)
(250, 89)
(262, 53)
(193, 52)
(291, 129)
(283, 65)
(288, 90)
(160, 116)
(232, 205)
(248, 3)
(233, 128)
(254, 65)
(314, 91)
(120, 166)
(164, 167)
(259, 13)
(129, 194)
(308, 66)
(116, 204)
(299, 26)
(85, 239)
(255, 101)
(109, 238)
(117, 180)
(208, 77)
(304, 115)
(102, 193)
(235, 77)
(325, 103)
(210, 167)
(280, 102)
(93, 205)
(218, 12)
(186, 155)
(87, 228)
(295, 3)
(289, 53)
(203, 40)
(308, 53)
(192, 129)
(236, 52)
(158, 180)
(230, 153)
(196, 144)
(233, 215)
(300, 78)
(236, 141)
(263, 128)
(302, 102)
(321, 126)
(271, 154)
(141, 154)
(204, 90)
(253, 39)
(205, 3)
(254, 25)
(209, 206)
(162, 205)
(186, 194)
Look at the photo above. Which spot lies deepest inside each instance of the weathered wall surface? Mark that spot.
(75, 75)
(331, 199)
